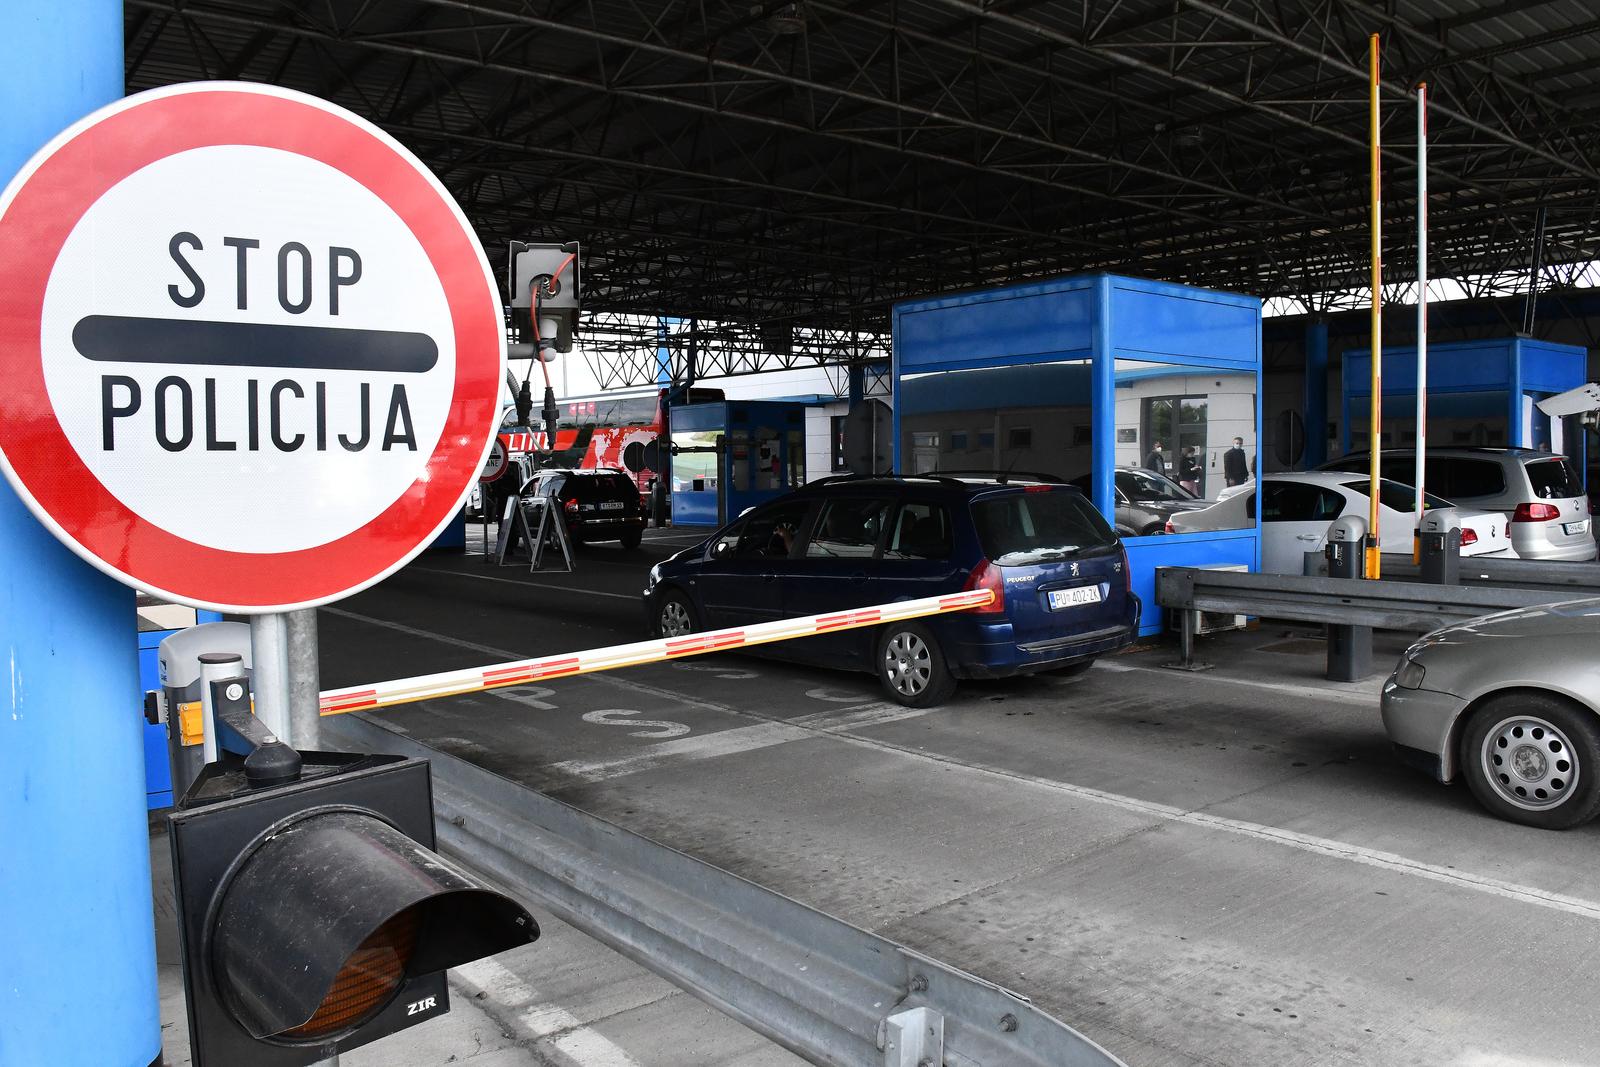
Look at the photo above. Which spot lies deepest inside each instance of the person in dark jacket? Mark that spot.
(1234, 467)
(1155, 461)
(1189, 470)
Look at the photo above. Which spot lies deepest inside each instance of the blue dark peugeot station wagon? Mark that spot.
(1057, 569)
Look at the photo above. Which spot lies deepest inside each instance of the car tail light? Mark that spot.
(1468, 537)
(1127, 571)
(1594, 506)
(1169, 528)
(571, 506)
(1036, 489)
(1535, 513)
(987, 576)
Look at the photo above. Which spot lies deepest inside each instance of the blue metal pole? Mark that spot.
(1103, 410)
(76, 928)
(1316, 393)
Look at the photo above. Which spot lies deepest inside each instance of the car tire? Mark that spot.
(1533, 758)
(1075, 668)
(911, 667)
(675, 616)
(632, 539)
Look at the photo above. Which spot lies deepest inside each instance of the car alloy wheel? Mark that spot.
(1529, 763)
(1534, 758)
(907, 664)
(675, 620)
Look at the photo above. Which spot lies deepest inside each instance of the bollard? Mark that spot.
(1440, 536)
(1349, 647)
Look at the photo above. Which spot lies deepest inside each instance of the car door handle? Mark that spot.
(769, 577)
(1308, 537)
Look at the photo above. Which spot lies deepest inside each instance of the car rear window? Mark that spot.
(1037, 526)
(588, 488)
(1554, 479)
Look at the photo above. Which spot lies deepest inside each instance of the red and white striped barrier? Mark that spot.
(522, 672)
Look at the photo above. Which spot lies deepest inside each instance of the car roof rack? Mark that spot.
(1001, 476)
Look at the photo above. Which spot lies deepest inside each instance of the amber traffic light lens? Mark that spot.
(367, 982)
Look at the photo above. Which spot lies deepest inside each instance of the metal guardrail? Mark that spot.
(832, 993)
(1384, 605)
(1578, 579)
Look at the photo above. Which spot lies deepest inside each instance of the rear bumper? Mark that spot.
(975, 649)
(1578, 551)
(601, 529)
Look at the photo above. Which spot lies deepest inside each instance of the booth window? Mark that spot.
(836, 434)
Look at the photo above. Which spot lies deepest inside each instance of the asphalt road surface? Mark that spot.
(1220, 868)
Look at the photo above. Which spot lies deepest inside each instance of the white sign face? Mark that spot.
(498, 461)
(257, 338)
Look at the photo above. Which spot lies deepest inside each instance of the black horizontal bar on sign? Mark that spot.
(199, 342)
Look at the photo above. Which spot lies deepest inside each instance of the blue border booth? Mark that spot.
(728, 456)
(1480, 394)
(1094, 379)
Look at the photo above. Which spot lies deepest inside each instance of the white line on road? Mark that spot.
(1321, 846)
(1366, 697)
(550, 1024)
(517, 581)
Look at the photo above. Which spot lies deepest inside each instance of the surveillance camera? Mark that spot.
(1580, 401)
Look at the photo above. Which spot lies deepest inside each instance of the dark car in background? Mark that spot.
(1145, 500)
(1057, 569)
(598, 505)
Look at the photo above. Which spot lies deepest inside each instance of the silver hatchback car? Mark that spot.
(1539, 492)
(1511, 703)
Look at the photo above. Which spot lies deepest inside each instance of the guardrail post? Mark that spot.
(913, 1038)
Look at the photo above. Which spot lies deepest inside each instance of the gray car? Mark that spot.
(1511, 703)
(1146, 500)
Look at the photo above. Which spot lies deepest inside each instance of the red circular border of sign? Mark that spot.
(35, 226)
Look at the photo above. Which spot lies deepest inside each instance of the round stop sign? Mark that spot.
(253, 350)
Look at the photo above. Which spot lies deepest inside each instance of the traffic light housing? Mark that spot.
(314, 914)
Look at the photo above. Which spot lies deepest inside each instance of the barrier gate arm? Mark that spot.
(829, 991)
(566, 664)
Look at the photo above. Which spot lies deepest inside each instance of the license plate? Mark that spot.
(1066, 598)
(1580, 527)
(611, 505)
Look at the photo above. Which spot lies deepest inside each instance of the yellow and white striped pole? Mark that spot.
(567, 664)
(1375, 428)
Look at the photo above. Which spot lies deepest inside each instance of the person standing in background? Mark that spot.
(1234, 467)
(1155, 461)
(1189, 470)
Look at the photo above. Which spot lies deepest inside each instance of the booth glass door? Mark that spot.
(1178, 424)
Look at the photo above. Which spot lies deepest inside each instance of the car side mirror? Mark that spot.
(720, 549)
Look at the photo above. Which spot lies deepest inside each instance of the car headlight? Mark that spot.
(1410, 674)
(655, 576)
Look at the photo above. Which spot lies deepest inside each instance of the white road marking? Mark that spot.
(1321, 846)
(832, 696)
(1335, 691)
(738, 740)
(622, 717)
(533, 585)
(550, 1024)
